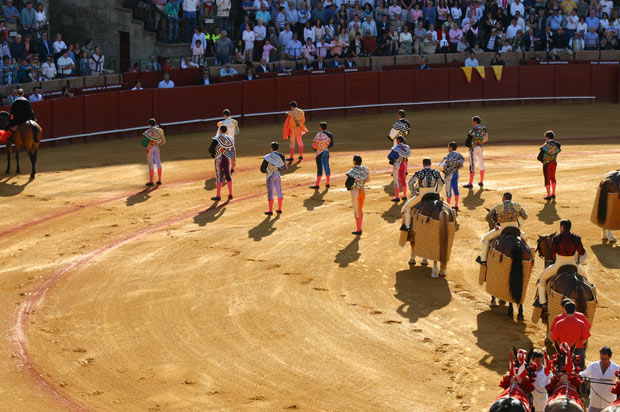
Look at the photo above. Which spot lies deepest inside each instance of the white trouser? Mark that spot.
(475, 156)
(411, 203)
(488, 237)
(539, 400)
(552, 269)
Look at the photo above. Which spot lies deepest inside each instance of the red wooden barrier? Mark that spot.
(101, 112)
(397, 86)
(68, 116)
(115, 111)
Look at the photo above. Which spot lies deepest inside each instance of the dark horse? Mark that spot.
(431, 206)
(25, 136)
(517, 384)
(568, 282)
(614, 407)
(510, 244)
(609, 186)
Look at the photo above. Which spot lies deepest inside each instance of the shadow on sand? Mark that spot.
(316, 200)
(473, 199)
(210, 214)
(141, 196)
(263, 229)
(548, 214)
(349, 254)
(607, 254)
(420, 294)
(12, 189)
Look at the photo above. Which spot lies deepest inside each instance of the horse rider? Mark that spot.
(423, 181)
(506, 214)
(21, 112)
(401, 127)
(566, 249)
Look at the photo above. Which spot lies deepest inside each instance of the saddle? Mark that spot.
(511, 231)
(431, 206)
(568, 268)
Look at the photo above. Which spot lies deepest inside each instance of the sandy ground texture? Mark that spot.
(117, 299)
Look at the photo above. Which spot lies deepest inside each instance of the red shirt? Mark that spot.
(567, 244)
(578, 315)
(570, 330)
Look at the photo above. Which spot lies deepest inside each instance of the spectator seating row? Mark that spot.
(76, 84)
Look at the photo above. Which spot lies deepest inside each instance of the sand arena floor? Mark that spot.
(117, 299)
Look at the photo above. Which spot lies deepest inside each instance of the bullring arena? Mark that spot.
(114, 298)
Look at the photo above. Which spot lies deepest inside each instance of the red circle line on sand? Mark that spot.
(26, 308)
(62, 213)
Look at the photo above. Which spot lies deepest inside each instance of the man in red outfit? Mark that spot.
(572, 331)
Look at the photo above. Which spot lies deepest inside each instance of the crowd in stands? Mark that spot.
(322, 29)
(27, 54)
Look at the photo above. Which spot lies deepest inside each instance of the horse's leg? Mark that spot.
(434, 273)
(510, 312)
(8, 158)
(520, 314)
(493, 303)
(412, 258)
(442, 268)
(18, 170)
(33, 161)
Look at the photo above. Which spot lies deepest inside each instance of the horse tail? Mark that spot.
(443, 237)
(602, 203)
(35, 131)
(516, 271)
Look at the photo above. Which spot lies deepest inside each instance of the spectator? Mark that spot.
(356, 47)
(515, 7)
(198, 36)
(190, 8)
(383, 27)
(70, 52)
(553, 55)
(44, 47)
(582, 27)
(260, 34)
(166, 83)
(89, 47)
(285, 36)
(223, 13)
(36, 95)
(429, 13)
(206, 77)
(309, 50)
(66, 66)
(283, 68)
(423, 64)
(268, 48)
(24, 71)
(153, 65)
(369, 25)
(608, 42)
(262, 66)
(248, 73)
(349, 62)
(493, 41)
(11, 97)
(11, 14)
(530, 41)
(66, 92)
(280, 19)
(370, 44)
(554, 21)
(304, 65)
(497, 60)
(303, 16)
(249, 37)
(137, 85)
(576, 43)
(263, 14)
(337, 45)
(28, 18)
(18, 48)
(507, 47)
(572, 20)
(240, 53)
(430, 44)
(223, 49)
(97, 61)
(198, 52)
(335, 63)
(48, 68)
(134, 69)
(227, 70)
(591, 39)
(320, 64)
(471, 61)
(290, 14)
(478, 50)
(84, 64)
(319, 30)
(603, 375)
(456, 34)
(59, 46)
(187, 63)
(406, 42)
(560, 40)
(592, 21)
(318, 13)
(571, 330)
(173, 8)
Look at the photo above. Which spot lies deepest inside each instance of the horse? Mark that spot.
(431, 207)
(567, 282)
(565, 382)
(517, 385)
(602, 217)
(24, 136)
(510, 244)
(614, 407)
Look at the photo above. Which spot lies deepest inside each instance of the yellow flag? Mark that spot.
(480, 70)
(498, 73)
(467, 71)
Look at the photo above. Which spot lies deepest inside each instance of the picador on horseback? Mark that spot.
(567, 249)
(21, 112)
